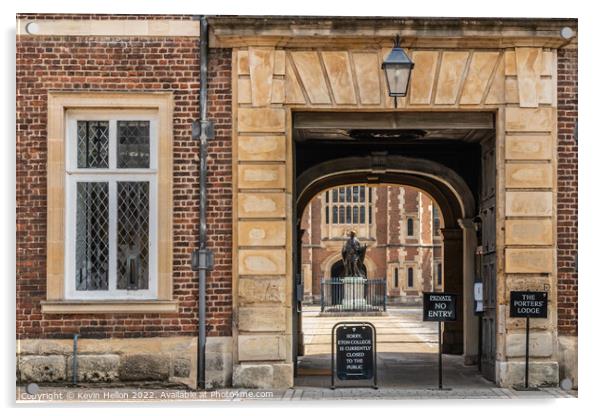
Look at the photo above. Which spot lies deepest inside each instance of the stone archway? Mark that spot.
(272, 81)
(456, 203)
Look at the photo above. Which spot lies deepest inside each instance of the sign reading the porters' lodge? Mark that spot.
(439, 307)
(528, 304)
(355, 352)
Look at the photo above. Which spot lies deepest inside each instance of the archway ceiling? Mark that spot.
(393, 127)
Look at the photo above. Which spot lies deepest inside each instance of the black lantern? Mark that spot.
(398, 68)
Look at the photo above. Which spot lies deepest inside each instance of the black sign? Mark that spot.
(439, 307)
(528, 304)
(355, 352)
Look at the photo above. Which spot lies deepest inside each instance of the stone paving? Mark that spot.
(407, 366)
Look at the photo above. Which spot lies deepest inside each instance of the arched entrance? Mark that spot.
(451, 194)
(298, 107)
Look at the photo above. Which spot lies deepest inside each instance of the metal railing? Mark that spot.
(353, 294)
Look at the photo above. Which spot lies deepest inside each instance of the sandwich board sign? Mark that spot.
(354, 346)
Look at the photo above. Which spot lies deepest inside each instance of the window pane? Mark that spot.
(348, 214)
(436, 223)
(341, 194)
(362, 193)
(396, 277)
(341, 214)
(410, 277)
(348, 194)
(335, 195)
(326, 196)
(335, 215)
(362, 215)
(410, 227)
(355, 214)
(92, 236)
(92, 144)
(132, 235)
(370, 195)
(326, 215)
(439, 274)
(133, 144)
(369, 215)
(356, 193)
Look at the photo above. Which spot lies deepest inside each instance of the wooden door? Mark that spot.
(487, 251)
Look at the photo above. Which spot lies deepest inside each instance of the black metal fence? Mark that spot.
(353, 294)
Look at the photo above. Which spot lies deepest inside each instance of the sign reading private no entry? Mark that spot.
(528, 304)
(439, 307)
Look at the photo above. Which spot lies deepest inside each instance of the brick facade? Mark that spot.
(126, 64)
(567, 191)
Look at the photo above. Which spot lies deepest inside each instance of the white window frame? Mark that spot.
(112, 175)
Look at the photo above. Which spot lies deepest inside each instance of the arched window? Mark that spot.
(410, 277)
(410, 227)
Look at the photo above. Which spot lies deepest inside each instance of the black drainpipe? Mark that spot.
(202, 258)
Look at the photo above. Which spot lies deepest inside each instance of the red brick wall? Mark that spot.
(567, 192)
(127, 64)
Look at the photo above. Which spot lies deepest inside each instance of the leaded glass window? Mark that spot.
(92, 144)
(111, 174)
(436, 222)
(92, 236)
(133, 144)
(132, 235)
(348, 205)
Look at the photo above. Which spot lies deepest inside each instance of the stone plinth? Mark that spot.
(353, 293)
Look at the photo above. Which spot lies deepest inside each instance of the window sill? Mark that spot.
(110, 306)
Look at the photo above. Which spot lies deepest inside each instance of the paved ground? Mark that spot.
(406, 346)
(407, 363)
(407, 359)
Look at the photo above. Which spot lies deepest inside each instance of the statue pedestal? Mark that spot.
(353, 289)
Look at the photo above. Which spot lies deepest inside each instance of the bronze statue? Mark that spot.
(353, 254)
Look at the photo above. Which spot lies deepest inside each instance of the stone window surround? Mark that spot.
(406, 267)
(58, 104)
(415, 227)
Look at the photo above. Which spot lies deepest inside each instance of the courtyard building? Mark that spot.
(185, 184)
(399, 225)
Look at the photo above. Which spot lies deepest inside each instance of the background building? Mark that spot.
(399, 224)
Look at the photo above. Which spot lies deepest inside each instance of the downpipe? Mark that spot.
(202, 258)
(74, 358)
